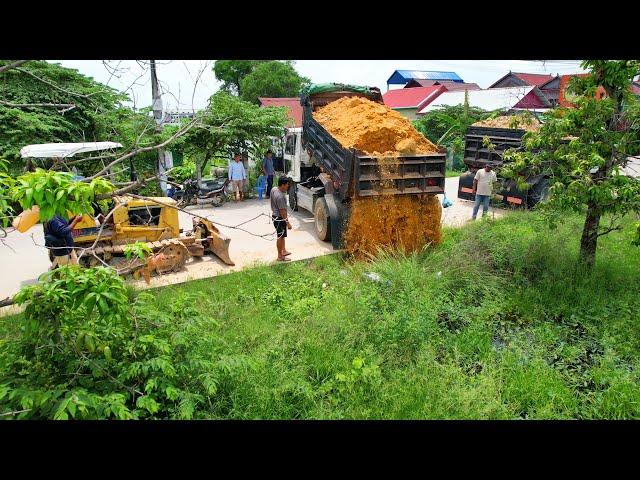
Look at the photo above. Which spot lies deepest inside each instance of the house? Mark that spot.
(451, 86)
(408, 101)
(294, 108)
(548, 84)
(635, 88)
(551, 90)
(175, 117)
(564, 97)
(402, 77)
(510, 98)
(515, 79)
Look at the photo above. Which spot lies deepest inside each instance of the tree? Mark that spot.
(231, 73)
(582, 150)
(42, 102)
(229, 124)
(272, 79)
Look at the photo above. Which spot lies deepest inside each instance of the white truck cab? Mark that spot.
(296, 158)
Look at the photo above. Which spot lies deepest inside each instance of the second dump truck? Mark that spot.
(327, 176)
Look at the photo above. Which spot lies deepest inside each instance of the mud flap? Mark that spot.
(465, 186)
(338, 214)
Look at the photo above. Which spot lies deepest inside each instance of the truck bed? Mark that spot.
(356, 174)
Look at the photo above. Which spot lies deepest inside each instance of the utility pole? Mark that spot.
(165, 160)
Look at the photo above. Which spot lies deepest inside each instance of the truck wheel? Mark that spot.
(538, 192)
(293, 197)
(323, 223)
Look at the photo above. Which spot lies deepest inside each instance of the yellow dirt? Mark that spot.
(372, 128)
(523, 122)
(405, 222)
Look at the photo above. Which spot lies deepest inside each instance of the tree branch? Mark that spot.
(179, 133)
(4, 68)
(65, 107)
(56, 86)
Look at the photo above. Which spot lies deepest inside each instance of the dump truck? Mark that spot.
(326, 176)
(477, 153)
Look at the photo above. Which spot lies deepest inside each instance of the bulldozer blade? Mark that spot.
(219, 245)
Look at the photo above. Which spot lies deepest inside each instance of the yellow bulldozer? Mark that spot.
(152, 221)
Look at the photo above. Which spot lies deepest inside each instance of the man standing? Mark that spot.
(59, 240)
(482, 188)
(267, 168)
(280, 216)
(237, 175)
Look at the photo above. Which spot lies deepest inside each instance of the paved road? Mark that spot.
(23, 258)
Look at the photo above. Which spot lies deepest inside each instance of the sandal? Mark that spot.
(284, 259)
(287, 254)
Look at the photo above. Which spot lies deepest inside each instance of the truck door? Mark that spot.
(292, 155)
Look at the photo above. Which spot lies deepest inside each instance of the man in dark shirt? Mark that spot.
(267, 168)
(59, 240)
(280, 216)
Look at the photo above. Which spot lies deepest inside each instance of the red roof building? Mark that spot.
(294, 109)
(515, 79)
(409, 101)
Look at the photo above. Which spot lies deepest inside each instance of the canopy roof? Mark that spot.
(63, 150)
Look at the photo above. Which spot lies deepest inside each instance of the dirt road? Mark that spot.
(23, 260)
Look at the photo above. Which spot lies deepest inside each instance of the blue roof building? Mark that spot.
(402, 77)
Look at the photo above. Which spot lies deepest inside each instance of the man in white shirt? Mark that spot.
(238, 176)
(483, 188)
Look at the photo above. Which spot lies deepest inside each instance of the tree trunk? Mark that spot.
(589, 240)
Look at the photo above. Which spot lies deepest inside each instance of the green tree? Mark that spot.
(231, 72)
(41, 102)
(582, 150)
(272, 79)
(229, 124)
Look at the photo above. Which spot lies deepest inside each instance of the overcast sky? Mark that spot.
(178, 77)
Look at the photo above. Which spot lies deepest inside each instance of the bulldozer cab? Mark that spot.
(133, 220)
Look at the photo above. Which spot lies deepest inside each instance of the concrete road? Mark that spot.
(23, 257)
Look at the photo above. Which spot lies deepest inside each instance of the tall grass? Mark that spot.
(498, 322)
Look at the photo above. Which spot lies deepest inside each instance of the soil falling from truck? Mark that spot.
(406, 222)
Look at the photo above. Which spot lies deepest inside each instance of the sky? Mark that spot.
(188, 84)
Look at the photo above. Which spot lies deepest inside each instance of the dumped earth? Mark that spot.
(522, 122)
(405, 222)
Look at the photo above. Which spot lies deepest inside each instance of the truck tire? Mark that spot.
(293, 197)
(322, 220)
(538, 192)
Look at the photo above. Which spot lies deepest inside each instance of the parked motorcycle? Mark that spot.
(213, 191)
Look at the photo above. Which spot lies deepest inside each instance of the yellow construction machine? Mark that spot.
(153, 221)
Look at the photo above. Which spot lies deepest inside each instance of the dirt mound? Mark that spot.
(522, 122)
(372, 128)
(407, 222)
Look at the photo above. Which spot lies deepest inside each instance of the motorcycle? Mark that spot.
(213, 191)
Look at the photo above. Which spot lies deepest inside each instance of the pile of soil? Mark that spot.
(388, 222)
(372, 128)
(522, 122)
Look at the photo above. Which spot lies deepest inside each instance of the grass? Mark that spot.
(498, 322)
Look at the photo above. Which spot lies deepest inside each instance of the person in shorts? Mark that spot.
(237, 176)
(280, 217)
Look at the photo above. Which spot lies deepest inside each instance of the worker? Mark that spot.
(483, 188)
(267, 168)
(59, 240)
(280, 216)
(237, 175)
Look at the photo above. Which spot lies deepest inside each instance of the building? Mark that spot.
(175, 117)
(635, 88)
(451, 86)
(548, 84)
(505, 99)
(409, 101)
(294, 108)
(402, 77)
(515, 79)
